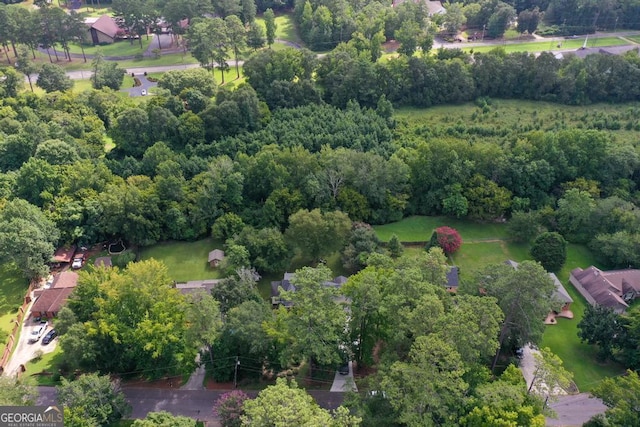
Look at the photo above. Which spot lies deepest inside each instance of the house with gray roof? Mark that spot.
(615, 289)
(216, 256)
(287, 285)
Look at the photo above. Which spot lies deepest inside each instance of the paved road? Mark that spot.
(575, 410)
(145, 84)
(191, 403)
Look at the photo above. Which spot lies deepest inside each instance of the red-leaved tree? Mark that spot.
(229, 407)
(448, 239)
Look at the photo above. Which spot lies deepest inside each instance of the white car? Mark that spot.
(37, 333)
(77, 263)
(144, 92)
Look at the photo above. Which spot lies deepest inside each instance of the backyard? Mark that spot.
(12, 290)
(487, 243)
(185, 260)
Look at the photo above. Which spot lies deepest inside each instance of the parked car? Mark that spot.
(144, 92)
(78, 260)
(37, 333)
(49, 337)
(344, 369)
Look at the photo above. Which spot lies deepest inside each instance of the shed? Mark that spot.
(215, 257)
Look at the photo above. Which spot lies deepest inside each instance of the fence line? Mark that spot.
(11, 341)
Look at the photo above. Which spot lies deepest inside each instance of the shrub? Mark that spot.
(550, 250)
(446, 238)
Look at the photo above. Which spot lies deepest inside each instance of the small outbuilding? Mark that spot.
(216, 256)
(103, 30)
(64, 254)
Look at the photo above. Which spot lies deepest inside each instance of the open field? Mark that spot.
(185, 260)
(633, 38)
(542, 46)
(420, 228)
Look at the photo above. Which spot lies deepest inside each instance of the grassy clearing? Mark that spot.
(185, 260)
(285, 28)
(550, 45)
(118, 48)
(474, 256)
(12, 290)
(420, 228)
(97, 12)
(48, 363)
(633, 38)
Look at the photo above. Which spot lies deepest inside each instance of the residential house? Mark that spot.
(197, 285)
(49, 301)
(215, 258)
(286, 285)
(560, 294)
(102, 30)
(614, 289)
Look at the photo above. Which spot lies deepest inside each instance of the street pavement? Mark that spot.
(191, 403)
(575, 410)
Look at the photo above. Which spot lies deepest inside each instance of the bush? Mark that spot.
(123, 259)
(447, 238)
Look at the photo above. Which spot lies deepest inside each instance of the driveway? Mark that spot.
(145, 84)
(575, 410)
(24, 351)
(343, 383)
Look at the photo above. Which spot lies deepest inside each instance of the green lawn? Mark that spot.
(472, 257)
(285, 28)
(420, 228)
(48, 363)
(94, 11)
(119, 48)
(551, 45)
(633, 38)
(562, 338)
(185, 260)
(12, 290)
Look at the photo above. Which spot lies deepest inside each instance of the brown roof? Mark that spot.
(604, 287)
(103, 261)
(51, 300)
(64, 254)
(66, 279)
(106, 25)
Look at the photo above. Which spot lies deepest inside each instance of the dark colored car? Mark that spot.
(49, 337)
(344, 369)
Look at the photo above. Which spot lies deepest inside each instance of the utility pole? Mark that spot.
(235, 374)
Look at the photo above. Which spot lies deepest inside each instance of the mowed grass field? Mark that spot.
(551, 45)
(420, 228)
(488, 244)
(118, 48)
(185, 260)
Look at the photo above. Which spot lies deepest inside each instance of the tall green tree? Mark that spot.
(313, 327)
(316, 234)
(428, 389)
(271, 27)
(164, 419)
(622, 395)
(95, 398)
(550, 250)
(550, 378)
(27, 238)
(237, 35)
(53, 78)
(603, 327)
(523, 294)
(286, 404)
(14, 392)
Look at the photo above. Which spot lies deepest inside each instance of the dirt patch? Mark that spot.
(211, 384)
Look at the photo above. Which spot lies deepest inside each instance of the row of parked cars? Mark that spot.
(39, 332)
